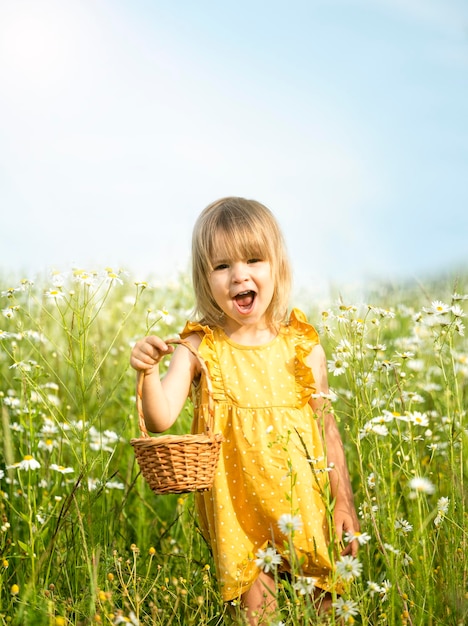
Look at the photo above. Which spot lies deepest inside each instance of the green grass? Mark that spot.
(83, 540)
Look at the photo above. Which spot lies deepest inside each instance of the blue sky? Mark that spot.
(120, 120)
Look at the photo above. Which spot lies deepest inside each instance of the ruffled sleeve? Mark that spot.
(207, 351)
(195, 327)
(305, 337)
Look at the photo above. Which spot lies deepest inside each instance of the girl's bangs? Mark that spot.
(240, 242)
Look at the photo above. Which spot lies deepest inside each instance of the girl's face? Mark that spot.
(242, 288)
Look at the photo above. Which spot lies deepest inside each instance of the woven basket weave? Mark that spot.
(178, 463)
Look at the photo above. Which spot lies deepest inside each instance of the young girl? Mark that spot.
(269, 377)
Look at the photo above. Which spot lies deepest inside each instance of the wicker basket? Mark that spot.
(178, 463)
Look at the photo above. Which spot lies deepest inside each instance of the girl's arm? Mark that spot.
(345, 516)
(163, 399)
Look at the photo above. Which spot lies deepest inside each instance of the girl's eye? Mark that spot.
(254, 260)
(220, 266)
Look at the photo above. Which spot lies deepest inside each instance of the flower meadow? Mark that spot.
(83, 539)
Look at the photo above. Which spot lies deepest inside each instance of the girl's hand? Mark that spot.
(148, 352)
(345, 522)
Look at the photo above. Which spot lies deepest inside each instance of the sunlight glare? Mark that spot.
(39, 43)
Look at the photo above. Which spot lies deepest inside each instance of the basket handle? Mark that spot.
(140, 379)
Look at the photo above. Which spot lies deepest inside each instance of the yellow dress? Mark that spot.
(261, 398)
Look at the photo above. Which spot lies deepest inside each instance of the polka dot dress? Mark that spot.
(261, 398)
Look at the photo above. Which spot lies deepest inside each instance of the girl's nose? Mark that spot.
(239, 272)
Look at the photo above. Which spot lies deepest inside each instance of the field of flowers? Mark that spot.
(83, 540)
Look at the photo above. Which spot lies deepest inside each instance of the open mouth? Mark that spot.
(245, 300)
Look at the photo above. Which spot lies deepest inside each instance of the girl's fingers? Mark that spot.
(148, 352)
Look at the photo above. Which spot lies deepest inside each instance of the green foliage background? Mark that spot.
(83, 540)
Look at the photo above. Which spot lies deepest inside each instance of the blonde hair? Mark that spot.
(246, 229)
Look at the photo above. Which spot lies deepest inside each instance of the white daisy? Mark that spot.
(337, 366)
(385, 588)
(28, 463)
(456, 297)
(113, 277)
(348, 567)
(61, 469)
(407, 354)
(47, 444)
(54, 294)
(304, 585)
(403, 526)
(343, 347)
(84, 277)
(442, 508)
(361, 538)
(457, 311)
(390, 548)
(114, 484)
(419, 484)
(288, 524)
(443, 505)
(437, 308)
(373, 587)
(377, 429)
(9, 312)
(419, 419)
(371, 480)
(378, 347)
(267, 560)
(346, 609)
(166, 317)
